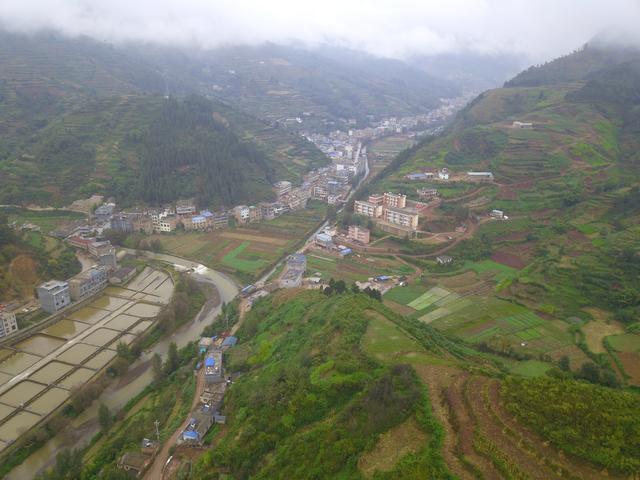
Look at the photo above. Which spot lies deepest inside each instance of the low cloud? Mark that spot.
(541, 30)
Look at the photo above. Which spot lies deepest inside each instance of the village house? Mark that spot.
(480, 176)
(294, 270)
(185, 207)
(53, 295)
(282, 188)
(443, 174)
(122, 275)
(359, 234)
(8, 322)
(88, 283)
(427, 193)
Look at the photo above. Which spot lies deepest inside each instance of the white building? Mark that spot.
(443, 174)
(54, 295)
(8, 323)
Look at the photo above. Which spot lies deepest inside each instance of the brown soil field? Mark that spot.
(257, 237)
(509, 259)
(631, 364)
(598, 328)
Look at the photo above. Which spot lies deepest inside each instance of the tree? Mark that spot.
(6, 233)
(564, 363)
(155, 245)
(331, 213)
(340, 287)
(156, 367)
(355, 288)
(124, 351)
(173, 359)
(104, 417)
(590, 372)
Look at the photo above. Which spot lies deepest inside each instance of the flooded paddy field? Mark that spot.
(38, 373)
(66, 329)
(39, 344)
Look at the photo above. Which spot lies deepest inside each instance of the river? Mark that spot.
(85, 426)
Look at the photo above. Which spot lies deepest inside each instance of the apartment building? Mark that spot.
(54, 295)
(164, 222)
(407, 218)
(359, 234)
(8, 322)
(88, 283)
(367, 209)
(376, 199)
(241, 212)
(394, 200)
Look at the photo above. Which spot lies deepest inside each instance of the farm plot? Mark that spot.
(405, 295)
(512, 326)
(428, 298)
(352, 269)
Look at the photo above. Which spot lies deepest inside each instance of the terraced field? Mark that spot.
(482, 440)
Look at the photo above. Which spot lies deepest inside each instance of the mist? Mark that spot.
(538, 30)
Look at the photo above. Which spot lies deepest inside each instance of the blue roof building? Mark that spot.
(229, 342)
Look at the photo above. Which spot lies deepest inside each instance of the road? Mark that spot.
(156, 470)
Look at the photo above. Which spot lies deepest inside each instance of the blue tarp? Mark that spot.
(190, 435)
(346, 251)
(229, 342)
(209, 362)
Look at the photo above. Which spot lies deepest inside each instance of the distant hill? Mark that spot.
(77, 119)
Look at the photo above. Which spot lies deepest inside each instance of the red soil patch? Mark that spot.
(631, 363)
(577, 236)
(509, 259)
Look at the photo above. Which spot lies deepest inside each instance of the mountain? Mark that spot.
(79, 116)
(322, 86)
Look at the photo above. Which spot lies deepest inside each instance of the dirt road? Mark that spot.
(156, 470)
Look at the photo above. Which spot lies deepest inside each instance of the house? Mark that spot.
(54, 295)
(324, 240)
(122, 223)
(427, 193)
(8, 322)
(499, 214)
(213, 367)
(199, 424)
(205, 344)
(104, 212)
(164, 222)
(359, 234)
(241, 213)
(248, 290)
(444, 259)
(480, 176)
(88, 283)
(443, 174)
(419, 176)
(138, 462)
(122, 275)
(229, 342)
(518, 124)
(294, 270)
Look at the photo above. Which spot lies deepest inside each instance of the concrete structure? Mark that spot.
(394, 200)
(213, 367)
(359, 234)
(282, 188)
(518, 124)
(480, 176)
(427, 193)
(241, 213)
(164, 222)
(292, 276)
(185, 207)
(404, 217)
(324, 240)
(444, 259)
(496, 214)
(443, 174)
(8, 322)
(54, 295)
(122, 275)
(104, 212)
(367, 209)
(88, 283)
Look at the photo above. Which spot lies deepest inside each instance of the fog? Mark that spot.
(539, 30)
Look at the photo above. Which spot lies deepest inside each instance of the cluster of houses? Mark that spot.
(443, 174)
(390, 212)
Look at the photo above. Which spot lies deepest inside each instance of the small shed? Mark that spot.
(204, 344)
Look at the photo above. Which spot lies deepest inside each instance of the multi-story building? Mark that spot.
(242, 213)
(367, 209)
(427, 193)
(143, 223)
(185, 207)
(88, 283)
(282, 188)
(376, 199)
(213, 366)
(53, 295)
(220, 220)
(359, 234)
(292, 276)
(255, 214)
(122, 222)
(164, 223)
(394, 200)
(404, 217)
(8, 323)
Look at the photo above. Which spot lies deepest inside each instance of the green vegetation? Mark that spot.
(311, 402)
(592, 422)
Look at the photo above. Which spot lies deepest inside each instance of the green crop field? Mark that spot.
(47, 220)
(233, 260)
(628, 342)
(405, 295)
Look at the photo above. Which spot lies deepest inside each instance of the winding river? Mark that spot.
(85, 426)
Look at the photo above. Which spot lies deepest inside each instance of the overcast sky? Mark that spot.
(541, 29)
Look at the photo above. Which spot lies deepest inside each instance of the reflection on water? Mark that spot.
(21, 393)
(77, 378)
(51, 372)
(66, 329)
(77, 353)
(144, 310)
(122, 322)
(88, 314)
(17, 363)
(101, 337)
(48, 401)
(16, 425)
